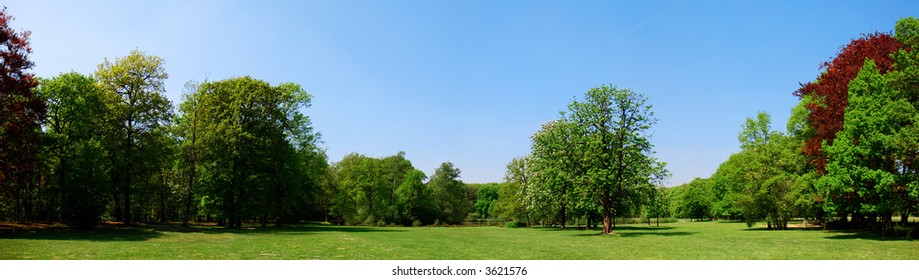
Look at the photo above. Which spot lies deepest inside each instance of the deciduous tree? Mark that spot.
(828, 95)
(138, 110)
(614, 148)
(21, 112)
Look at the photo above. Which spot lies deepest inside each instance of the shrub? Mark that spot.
(516, 224)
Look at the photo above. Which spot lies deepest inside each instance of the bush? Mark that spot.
(516, 224)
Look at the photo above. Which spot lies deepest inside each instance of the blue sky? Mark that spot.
(470, 81)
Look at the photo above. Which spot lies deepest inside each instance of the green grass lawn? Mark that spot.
(680, 240)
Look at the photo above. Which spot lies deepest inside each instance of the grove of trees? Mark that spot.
(109, 146)
(848, 157)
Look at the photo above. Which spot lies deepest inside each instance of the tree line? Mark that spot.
(848, 157)
(109, 146)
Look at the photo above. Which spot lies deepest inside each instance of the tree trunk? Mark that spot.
(904, 219)
(127, 203)
(563, 218)
(607, 217)
(162, 212)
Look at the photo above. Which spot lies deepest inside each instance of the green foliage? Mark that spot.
(256, 153)
(728, 185)
(369, 191)
(512, 204)
(692, 200)
(613, 150)
(138, 109)
(554, 166)
(486, 198)
(774, 165)
(867, 173)
(414, 199)
(76, 159)
(657, 204)
(448, 194)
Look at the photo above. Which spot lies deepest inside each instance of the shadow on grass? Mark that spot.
(146, 232)
(784, 230)
(97, 234)
(637, 234)
(865, 235)
(636, 231)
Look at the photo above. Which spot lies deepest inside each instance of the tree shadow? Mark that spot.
(865, 235)
(636, 231)
(781, 230)
(96, 234)
(638, 234)
(107, 233)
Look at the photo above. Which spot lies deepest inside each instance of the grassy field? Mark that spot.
(680, 240)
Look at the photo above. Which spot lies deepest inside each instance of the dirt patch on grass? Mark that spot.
(29, 226)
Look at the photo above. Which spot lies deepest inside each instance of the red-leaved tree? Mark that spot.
(21, 111)
(829, 94)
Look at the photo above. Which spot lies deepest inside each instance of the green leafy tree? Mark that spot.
(256, 152)
(728, 185)
(773, 172)
(905, 79)
(137, 111)
(487, 197)
(512, 204)
(449, 195)
(658, 204)
(414, 199)
(692, 200)
(554, 168)
(614, 149)
(865, 171)
(74, 129)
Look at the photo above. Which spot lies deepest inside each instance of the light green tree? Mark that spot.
(614, 149)
(512, 204)
(138, 109)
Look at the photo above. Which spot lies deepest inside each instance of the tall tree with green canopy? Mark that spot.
(414, 199)
(76, 123)
(692, 200)
(772, 170)
(728, 185)
(186, 126)
(360, 177)
(614, 148)
(865, 165)
(449, 195)
(138, 109)
(255, 149)
(512, 194)
(905, 79)
(657, 205)
(486, 198)
(395, 168)
(554, 167)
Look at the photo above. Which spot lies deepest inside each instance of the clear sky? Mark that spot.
(470, 81)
